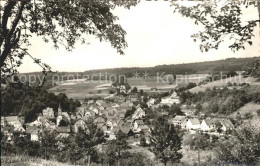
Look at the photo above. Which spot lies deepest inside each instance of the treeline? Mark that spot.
(30, 101)
(226, 66)
(220, 101)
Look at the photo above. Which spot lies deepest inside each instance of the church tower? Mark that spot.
(59, 110)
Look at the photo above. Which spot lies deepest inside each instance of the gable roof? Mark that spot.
(65, 129)
(139, 122)
(227, 123)
(194, 121)
(209, 122)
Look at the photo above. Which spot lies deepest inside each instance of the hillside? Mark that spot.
(249, 108)
(220, 83)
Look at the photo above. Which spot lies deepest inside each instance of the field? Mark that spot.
(220, 83)
(80, 89)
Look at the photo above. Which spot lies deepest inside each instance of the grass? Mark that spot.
(28, 161)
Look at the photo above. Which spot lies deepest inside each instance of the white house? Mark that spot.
(227, 125)
(207, 125)
(193, 124)
(177, 120)
(139, 113)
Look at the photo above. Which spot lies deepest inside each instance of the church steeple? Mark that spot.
(59, 110)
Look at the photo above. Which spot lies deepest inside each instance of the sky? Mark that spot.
(155, 36)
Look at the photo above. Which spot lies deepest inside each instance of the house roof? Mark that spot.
(139, 122)
(62, 135)
(194, 121)
(227, 123)
(99, 120)
(65, 129)
(12, 119)
(209, 121)
(144, 127)
(32, 129)
(8, 129)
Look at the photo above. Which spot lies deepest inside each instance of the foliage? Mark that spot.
(243, 147)
(62, 23)
(220, 20)
(117, 150)
(221, 101)
(164, 141)
(30, 101)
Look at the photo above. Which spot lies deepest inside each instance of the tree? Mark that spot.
(117, 150)
(62, 23)
(243, 147)
(175, 110)
(89, 139)
(198, 106)
(134, 90)
(221, 20)
(164, 141)
(219, 127)
(48, 144)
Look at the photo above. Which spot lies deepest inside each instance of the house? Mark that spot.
(138, 114)
(100, 121)
(133, 97)
(34, 132)
(100, 102)
(48, 113)
(193, 124)
(121, 116)
(113, 133)
(137, 124)
(127, 130)
(188, 112)
(127, 104)
(151, 102)
(12, 121)
(3, 122)
(119, 122)
(184, 124)
(80, 123)
(8, 131)
(227, 125)
(90, 102)
(170, 100)
(207, 125)
(177, 120)
(114, 105)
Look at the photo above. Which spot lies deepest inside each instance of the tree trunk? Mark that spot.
(89, 160)
(118, 162)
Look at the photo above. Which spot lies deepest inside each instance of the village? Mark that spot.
(110, 116)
